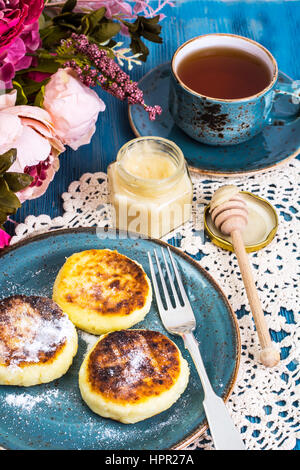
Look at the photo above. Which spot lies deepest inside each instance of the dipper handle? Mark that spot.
(269, 356)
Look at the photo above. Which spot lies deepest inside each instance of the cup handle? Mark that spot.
(292, 90)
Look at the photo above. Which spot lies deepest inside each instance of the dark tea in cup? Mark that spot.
(222, 88)
(224, 72)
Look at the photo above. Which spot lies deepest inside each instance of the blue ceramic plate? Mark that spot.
(53, 415)
(275, 145)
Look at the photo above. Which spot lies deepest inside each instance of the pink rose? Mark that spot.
(14, 16)
(30, 131)
(73, 108)
(4, 238)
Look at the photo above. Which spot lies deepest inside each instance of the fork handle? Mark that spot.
(223, 431)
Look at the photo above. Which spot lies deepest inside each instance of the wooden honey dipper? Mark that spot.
(230, 215)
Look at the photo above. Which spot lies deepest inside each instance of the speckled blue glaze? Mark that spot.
(276, 143)
(53, 416)
(218, 121)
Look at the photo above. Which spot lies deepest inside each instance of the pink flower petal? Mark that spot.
(7, 72)
(10, 130)
(73, 108)
(31, 147)
(4, 238)
(8, 99)
(35, 10)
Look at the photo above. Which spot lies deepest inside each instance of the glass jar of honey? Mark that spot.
(150, 187)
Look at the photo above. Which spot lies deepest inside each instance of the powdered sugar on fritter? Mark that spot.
(47, 336)
(30, 332)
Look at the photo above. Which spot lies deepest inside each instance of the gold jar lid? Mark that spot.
(260, 230)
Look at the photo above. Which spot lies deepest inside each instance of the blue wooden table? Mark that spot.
(274, 24)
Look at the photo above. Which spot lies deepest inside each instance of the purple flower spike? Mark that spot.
(100, 69)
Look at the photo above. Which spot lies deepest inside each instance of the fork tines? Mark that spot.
(162, 279)
(181, 307)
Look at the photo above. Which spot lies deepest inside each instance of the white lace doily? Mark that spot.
(264, 401)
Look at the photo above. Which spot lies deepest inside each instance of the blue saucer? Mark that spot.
(275, 145)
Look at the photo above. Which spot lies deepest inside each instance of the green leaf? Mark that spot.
(42, 21)
(95, 17)
(9, 202)
(138, 47)
(68, 17)
(152, 37)
(47, 31)
(52, 36)
(106, 31)
(31, 87)
(9, 184)
(45, 64)
(7, 159)
(154, 29)
(21, 96)
(85, 24)
(132, 27)
(39, 99)
(142, 27)
(47, 16)
(154, 20)
(3, 217)
(69, 6)
(17, 181)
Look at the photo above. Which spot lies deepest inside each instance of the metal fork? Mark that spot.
(180, 320)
